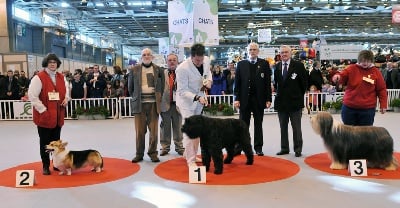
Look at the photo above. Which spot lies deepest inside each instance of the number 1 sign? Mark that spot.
(197, 174)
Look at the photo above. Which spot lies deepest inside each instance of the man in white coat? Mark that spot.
(193, 78)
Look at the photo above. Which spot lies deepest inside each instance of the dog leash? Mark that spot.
(205, 89)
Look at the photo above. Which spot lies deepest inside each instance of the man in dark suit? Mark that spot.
(291, 84)
(252, 92)
(96, 83)
(9, 90)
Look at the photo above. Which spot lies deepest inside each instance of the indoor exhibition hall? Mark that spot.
(99, 41)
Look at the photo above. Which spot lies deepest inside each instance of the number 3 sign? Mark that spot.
(358, 167)
(25, 178)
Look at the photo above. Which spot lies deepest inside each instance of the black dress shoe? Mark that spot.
(297, 154)
(46, 171)
(259, 153)
(282, 152)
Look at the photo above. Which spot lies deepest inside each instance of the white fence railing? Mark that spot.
(121, 108)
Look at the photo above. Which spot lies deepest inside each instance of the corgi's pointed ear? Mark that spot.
(65, 144)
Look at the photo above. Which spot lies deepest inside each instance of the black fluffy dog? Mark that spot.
(216, 134)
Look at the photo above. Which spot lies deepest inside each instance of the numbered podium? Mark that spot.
(358, 167)
(197, 174)
(24, 178)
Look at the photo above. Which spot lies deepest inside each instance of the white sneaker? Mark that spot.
(192, 164)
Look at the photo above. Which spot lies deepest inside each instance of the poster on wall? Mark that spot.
(188, 26)
(267, 52)
(335, 52)
(22, 109)
(163, 46)
(264, 35)
(13, 67)
(31, 65)
(205, 19)
(179, 51)
(180, 22)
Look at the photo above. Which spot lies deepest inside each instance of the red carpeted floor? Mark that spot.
(114, 169)
(322, 162)
(265, 169)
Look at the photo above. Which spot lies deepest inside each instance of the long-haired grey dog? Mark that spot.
(344, 142)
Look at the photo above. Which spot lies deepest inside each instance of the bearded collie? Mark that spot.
(344, 143)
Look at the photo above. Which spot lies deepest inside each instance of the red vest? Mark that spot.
(54, 116)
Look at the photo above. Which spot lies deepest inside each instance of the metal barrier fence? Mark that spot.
(121, 108)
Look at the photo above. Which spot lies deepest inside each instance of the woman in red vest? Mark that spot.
(49, 96)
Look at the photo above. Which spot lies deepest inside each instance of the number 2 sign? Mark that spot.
(25, 178)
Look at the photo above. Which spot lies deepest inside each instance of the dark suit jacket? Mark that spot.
(315, 78)
(290, 92)
(4, 81)
(262, 83)
(101, 84)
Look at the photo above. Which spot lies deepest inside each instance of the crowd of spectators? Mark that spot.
(96, 82)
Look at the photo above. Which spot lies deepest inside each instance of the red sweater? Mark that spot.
(54, 115)
(361, 94)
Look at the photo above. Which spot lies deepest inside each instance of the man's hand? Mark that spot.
(64, 102)
(207, 83)
(236, 104)
(268, 104)
(203, 101)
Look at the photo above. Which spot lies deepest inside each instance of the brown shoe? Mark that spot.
(137, 159)
(154, 158)
(164, 152)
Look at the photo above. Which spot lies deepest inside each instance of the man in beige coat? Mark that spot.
(169, 113)
(145, 86)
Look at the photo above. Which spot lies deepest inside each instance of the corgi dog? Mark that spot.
(66, 160)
